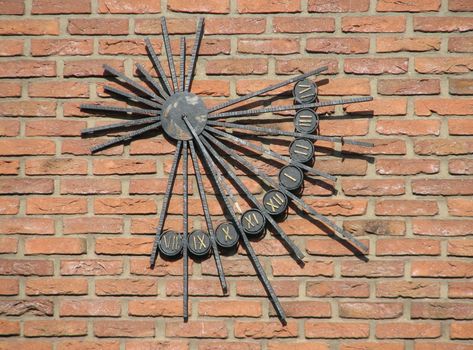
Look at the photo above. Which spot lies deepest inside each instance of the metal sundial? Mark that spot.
(200, 133)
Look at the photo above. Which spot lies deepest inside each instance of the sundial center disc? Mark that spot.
(178, 105)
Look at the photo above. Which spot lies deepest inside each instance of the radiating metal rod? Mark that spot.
(251, 253)
(205, 207)
(267, 89)
(125, 138)
(257, 111)
(277, 132)
(115, 109)
(170, 59)
(157, 66)
(91, 131)
(134, 98)
(182, 67)
(229, 171)
(195, 51)
(270, 182)
(269, 153)
(130, 82)
(185, 214)
(165, 205)
(151, 80)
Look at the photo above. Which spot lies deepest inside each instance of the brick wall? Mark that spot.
(76, 229)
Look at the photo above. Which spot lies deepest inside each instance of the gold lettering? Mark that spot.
(249, 220)
(202, 243)
(290, 177)
(226, 231)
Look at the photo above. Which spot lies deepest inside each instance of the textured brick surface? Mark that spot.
(76, 229)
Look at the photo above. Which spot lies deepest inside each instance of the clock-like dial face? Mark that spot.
(204, 134)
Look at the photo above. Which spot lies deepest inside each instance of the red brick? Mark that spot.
(196, 288)
(54, 328)
(56, 286)
(26, 267)
(268, 6)
(229, 308)
(92, 225)
(343, 128)
(9, 7)
(89, 308)
(333, 330)
(152, 146)
(9, 287)
(409, 86)
(115, 287)
(398, 44)
(449, 269)
(29, 27)
(391, 187)
(408, 246)
(461, 330)
(88, 345)
(282, 288)
(123, 245)
(265, 330)
(175, 26)
(90, 186)
(327, 247)
(9, 128)
(460, 247)
(376, 65)
(129, 6)
(235, 26)
(197, 329)
(102, 26)
(54, 127)
(211, 87)
(330, 289)
(32, 307)
(461, 86)
(460, 127)
(124, 329)
(443, 107)
(9, 167)
(338, 6)
(56, 245)
(82, 147)
(240, 267)
(460, 5)
(443, 65)
(443, 147)
(444, 228)
(443, 24)
(447, 187)
(155, 308)
(372, 346)
(113, 205)
(442, 346)
(158, 345)
(370, 310)
(407, 330)
(26, 186)
(406, 207)
(10, 88)
(303, 25)
(441, 310)
(374, 24)
(298, 309)
(346, 87)
(303, 65)
(27, 109)
(378, 107)
(124, 166)
(91, 267)
(338, 45)
(199, 6)
(286, 267)
(61, 47)
(372, 268)
(237, 66)
(407, 289)
(56, 205)
(8, 245)
(268, 46)
(343, 167)
(9, 206)
(340, 207)
(58, 89)
(460, 290)
(418, 6)
(13, 47)
(9, 328)
(161, 268)
(25, 345)
(27, 69)
(55, 7)
(460, 44)
(90, 67)
(460, 207)
(408, 127)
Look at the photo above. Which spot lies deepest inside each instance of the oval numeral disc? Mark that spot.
(305, 91)
(291, 177)
(306, 121)
(275, 202)
(199, 243)
(301, 150)
(170, 244)
(226, 235)
(253, 222)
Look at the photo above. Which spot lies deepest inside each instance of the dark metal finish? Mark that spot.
(253, 222)
(166, 199)
(125, 138)
(226, 235)
(267, 89)
(185, 217)
(301, 150)
(170, 59)
(157, 66)
(305, 91)
(97, 129)
(306, 121)
(178, 105)
(195, 51)
(182, 65)
(150, 80)
(275, 202)
(133, 97)
(291, 177)
(199, 243)
(257, 111)
(170, 244)
(114, 109)
(269, 153)
(205, 207)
